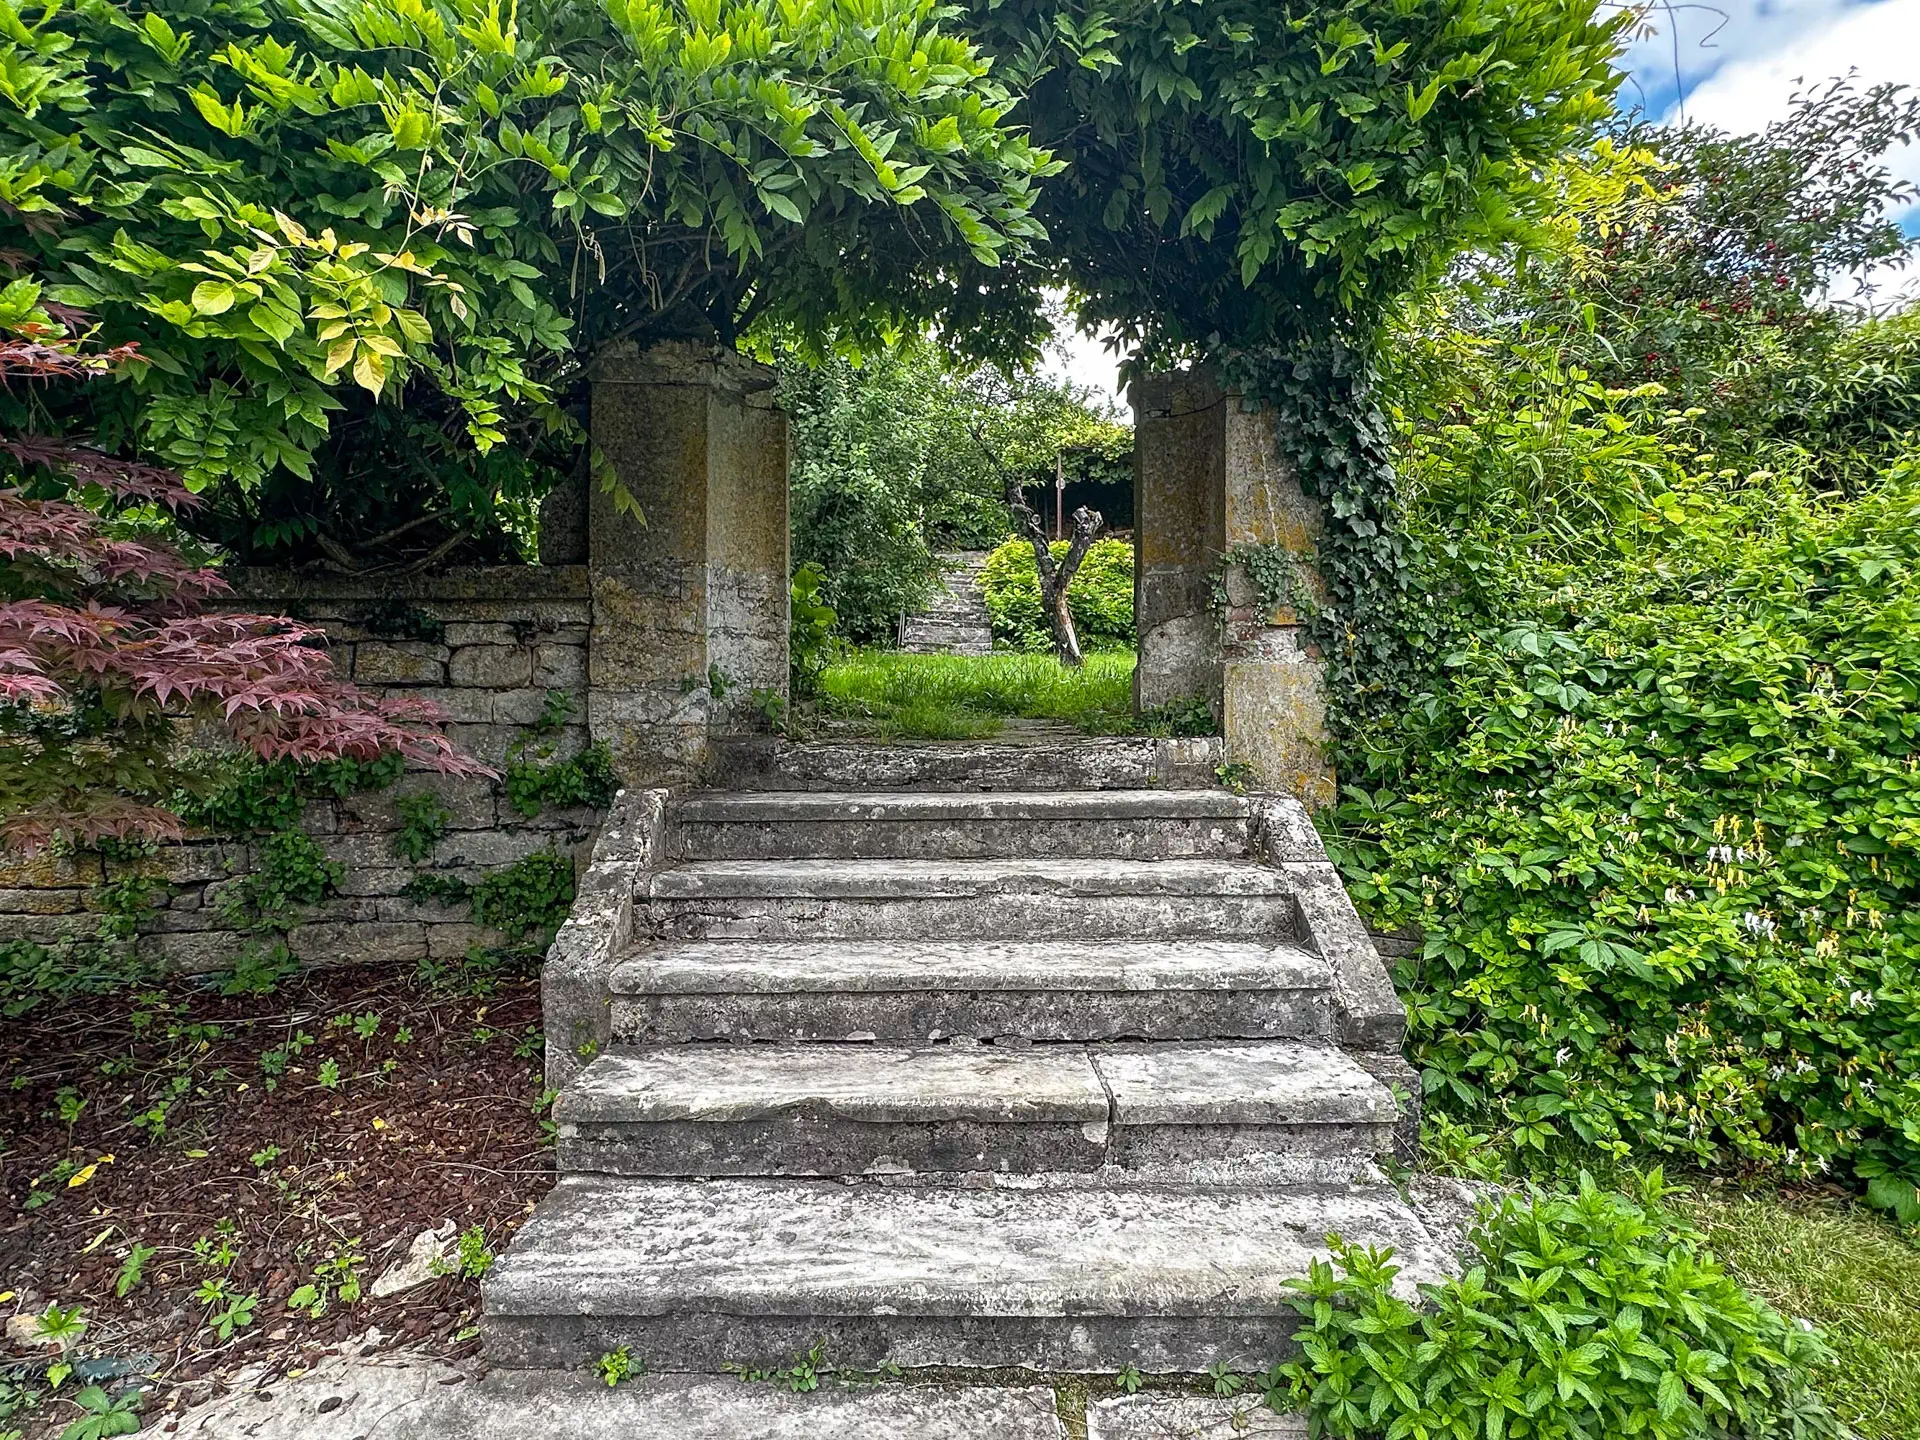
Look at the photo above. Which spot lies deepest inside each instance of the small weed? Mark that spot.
(335, 1278)
(617, 1366)
(476, 1256)
(1226, 1383)
(1235, 775)
(424, 823)
(61, 1325)
(1129, 1380)
(132, 1270)
(226, 1312)
(258, 969)
(801, 1377)
(68, 1104)
(103, 1415)
(328, 1075)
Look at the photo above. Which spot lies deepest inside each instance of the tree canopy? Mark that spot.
(1238, 174)
(297, 208)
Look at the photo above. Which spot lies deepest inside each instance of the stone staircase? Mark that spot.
(955, 620)
(1063, 1079)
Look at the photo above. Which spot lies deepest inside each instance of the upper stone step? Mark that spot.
(926, 989)
(695, 1275)
(1280, 1107)
(1121, 763)
(1131, 824)
(1095, 899)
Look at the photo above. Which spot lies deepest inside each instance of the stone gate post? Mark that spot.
(690, 604)
(1210, 483)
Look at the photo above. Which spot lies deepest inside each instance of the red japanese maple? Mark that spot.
(112, 669)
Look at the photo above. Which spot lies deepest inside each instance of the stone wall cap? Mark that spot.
(471, 582)
(681, 362)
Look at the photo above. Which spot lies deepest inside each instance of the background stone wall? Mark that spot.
(487, 645)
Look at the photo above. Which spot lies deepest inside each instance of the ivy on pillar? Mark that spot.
(690, 599)
(1223, 576)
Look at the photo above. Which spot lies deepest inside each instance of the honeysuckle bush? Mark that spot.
(1656, 816)
(362, 244)
(1578, 1316)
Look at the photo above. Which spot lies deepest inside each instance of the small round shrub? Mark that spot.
(1101, 596)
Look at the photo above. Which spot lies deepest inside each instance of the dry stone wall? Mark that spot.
(487, 645)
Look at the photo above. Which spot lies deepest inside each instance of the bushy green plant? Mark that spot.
(1658, 817)
(528, 898)
(1101, 596)
(810, 631)
(1580, 1316)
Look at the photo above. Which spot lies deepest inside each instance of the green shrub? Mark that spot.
(1101, 596)
(1659, 819)
(1581, 1316)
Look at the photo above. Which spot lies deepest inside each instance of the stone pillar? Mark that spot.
(1179, 495)
(689, 602)
(1210, 481)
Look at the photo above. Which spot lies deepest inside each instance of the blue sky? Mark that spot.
(1735, 65)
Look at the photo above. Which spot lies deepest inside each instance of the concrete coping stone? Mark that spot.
(921, 879)
(821, 805)
(609, 1247)
(800, 967)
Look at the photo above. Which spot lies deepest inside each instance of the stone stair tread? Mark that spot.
(762, 1248)
(1271, 1082)
(881, 1084)
(857, 805)
(703, 967)
(916, 879)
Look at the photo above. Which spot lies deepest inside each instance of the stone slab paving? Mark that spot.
(1186, 1417)
(909, 879)
(402, 1396)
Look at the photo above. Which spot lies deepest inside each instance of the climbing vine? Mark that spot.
(1333, 429)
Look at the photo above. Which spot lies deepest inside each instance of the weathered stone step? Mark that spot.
(1126, 763)
(695, 1275)
(1094, 899)
(1048, 990)
(707, 1110)
(1130, 824)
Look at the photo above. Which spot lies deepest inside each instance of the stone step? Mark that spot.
(697, 1275)
(1047, 990)
(1130, 824)
(1093, 899)
(1123, 763)
(817, 1109)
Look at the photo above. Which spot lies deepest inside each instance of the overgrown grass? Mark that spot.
(1848, 1271)
(967, 697)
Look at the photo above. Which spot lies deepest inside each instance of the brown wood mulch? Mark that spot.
(407, 1106)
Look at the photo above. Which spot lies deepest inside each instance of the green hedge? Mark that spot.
(1101, 597)
(1658, 817)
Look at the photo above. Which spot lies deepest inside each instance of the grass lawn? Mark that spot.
(1851, 1273)
(890, 695)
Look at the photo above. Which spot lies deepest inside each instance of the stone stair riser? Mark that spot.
(708, 1341)
(1144, 838)
(828, 1146)
(935, 1015)
(990, 916)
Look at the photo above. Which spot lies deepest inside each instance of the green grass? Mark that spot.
(890, 695)
(1850, 1272)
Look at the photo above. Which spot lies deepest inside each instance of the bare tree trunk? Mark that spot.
(1056, 577)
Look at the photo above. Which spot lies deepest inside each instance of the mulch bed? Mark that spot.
(407, 1106)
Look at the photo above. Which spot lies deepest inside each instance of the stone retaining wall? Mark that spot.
(486, 645)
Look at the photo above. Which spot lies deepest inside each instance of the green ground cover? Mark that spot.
(893, 696)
